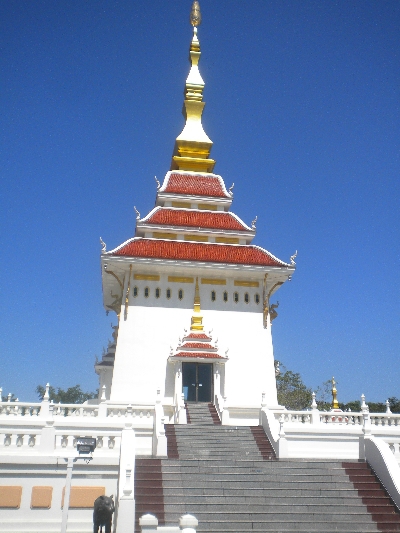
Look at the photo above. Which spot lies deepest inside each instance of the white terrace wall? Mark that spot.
(37, 438)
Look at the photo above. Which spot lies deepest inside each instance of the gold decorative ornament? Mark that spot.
(127, 293)
(335, 403)
(227, 240)
(195, 15)
(207, 207)
(193, 146)
(162, 235)
(115, 276)
(180, 279)
(213, 281)
(197, 319)
(243, 283)
(196, 238)
(147, 277)
(184, 205)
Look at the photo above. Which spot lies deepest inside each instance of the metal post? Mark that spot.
(67, 493)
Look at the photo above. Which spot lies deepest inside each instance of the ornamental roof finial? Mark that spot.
(193, 146)
(335, 403)
(195, 15)
(197, 319)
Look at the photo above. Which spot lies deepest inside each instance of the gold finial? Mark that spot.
(193, 146)
(195, 15)
(335, 404)
(197, 319)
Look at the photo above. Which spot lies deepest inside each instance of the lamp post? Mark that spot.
(83, 446)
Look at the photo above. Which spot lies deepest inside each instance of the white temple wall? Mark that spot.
(91, 479)
(154, 325)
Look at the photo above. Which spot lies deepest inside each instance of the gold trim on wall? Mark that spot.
(227, 240)
(207, 207)
(185, 205)
(197, 238)
(162, 235)
(180, 279)
(147, 277)
(242, 283)
(212, 281)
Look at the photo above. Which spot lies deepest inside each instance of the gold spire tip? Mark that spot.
(195, 15)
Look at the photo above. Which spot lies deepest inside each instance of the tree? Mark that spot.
(72, 395)
(292, 392)
(5, 398)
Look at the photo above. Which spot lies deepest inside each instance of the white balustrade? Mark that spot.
(19, 409)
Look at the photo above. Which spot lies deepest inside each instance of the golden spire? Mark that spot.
(193, 146)
(335, 404)
(197, 319)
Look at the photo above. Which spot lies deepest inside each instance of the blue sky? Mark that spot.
(303, 108)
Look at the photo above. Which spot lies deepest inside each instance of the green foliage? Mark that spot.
(353, 406)
(5, 398)
(292, 393)
(374, 407)
(71, 395)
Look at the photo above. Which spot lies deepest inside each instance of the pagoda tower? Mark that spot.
(191, 264)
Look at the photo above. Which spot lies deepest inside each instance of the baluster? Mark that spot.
(20, 440)
(99, 442)
(7, 440)
(111, 442)
(32, 441)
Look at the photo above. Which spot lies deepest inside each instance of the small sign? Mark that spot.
(85, 445)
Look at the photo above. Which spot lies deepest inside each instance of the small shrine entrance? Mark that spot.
(197, 382)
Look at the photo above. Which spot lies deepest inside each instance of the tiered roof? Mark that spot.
(195, 184)
(191, 220)
(164, 216)
(190, 251)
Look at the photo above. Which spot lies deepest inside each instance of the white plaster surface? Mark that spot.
(153, 326)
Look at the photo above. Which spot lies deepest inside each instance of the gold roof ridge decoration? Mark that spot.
(193, 146)
(197, 318)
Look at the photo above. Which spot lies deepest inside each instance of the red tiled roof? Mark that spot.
(199, 354)
(197, 336)
(197, 345)
(196, 219)
(196, 185)
(190, 251)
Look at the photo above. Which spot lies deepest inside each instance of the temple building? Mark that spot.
(192, 252)
(187, 419)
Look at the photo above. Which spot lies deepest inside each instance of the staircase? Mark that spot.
(229, 478)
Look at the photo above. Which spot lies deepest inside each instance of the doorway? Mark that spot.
(197, 382)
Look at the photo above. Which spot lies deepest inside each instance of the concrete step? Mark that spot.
(229, 479)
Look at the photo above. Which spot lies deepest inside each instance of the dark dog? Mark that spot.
(102, 514)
